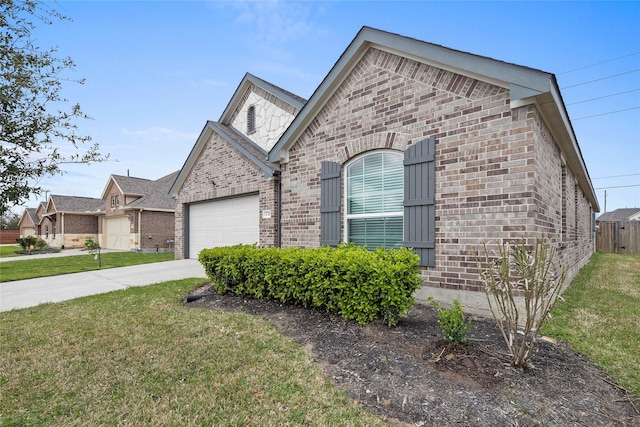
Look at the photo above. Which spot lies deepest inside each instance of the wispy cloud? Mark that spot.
(159, 134)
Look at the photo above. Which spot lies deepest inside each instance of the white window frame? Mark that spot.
(345, 205)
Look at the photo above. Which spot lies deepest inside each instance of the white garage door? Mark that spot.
(223, 223)
(117, 233)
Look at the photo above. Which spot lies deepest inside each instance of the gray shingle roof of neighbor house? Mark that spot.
(33, 215)
(526, 86)
(74, 204)
(618, 214)
(158, 197)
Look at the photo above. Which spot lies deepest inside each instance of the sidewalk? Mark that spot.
(65, 252)
(31, 292)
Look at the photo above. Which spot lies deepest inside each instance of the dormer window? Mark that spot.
(115, 200)
(251, 119)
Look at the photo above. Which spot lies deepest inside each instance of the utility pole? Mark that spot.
(605, 201)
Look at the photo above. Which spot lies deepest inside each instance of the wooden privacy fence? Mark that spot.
(620, 236)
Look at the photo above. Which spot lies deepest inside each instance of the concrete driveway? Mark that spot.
(31, 292)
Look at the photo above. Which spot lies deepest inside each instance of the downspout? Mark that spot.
(62, 230)
(140, 230)
(276, 175)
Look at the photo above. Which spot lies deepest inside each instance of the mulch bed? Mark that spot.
(408, 376)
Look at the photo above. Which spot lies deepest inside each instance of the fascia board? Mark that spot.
(247, 81)
(268, 171)
(556, 117)
(528, 82)
(191, 159)
(344, 65)
(106, 187)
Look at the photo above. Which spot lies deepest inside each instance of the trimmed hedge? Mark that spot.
(351, 281)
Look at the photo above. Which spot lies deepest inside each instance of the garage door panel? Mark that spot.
(117, 233)
(223, 223)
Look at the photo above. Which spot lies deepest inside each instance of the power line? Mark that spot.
(617, 186)
(617, 176)
(598, 63)
(605, 96)
(602, 78)
(607, 113)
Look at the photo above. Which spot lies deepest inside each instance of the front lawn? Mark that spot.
(139, 357)
(9, 251)
(600, 316)
(43, 267)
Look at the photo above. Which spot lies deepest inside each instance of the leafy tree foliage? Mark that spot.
(36, 123)
(9, 221)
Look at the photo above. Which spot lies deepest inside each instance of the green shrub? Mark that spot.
(352, 281)
(451, 322)
(40, 244)
(27, 242)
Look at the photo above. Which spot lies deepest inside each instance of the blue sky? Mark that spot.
(157, 71)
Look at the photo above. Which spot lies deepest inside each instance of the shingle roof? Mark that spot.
(156, 194)
(75, 204)
(134, 186)
(618, 215)
(33, 215)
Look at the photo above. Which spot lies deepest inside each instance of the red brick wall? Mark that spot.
(155, 229)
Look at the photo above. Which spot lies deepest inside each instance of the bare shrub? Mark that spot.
(515, 271)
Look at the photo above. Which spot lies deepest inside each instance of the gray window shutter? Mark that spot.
(330, 204)
(419, 200)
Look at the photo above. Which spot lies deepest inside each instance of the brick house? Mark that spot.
(68, 221)
(404, 143)
(138, 214)
(132, 214)
(30, 221)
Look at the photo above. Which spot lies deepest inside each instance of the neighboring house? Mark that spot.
(138, 214)
(68, 221)
(623, 214)
(30, 222)
(133, 214)
(404, 143)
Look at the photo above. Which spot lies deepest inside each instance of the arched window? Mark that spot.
(251, 119)
(374, 190)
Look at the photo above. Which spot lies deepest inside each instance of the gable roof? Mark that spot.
(157, 197)
(29, 216)
(248, 80)
(129, 185)
(526, 86)
(234, 138)
(73, 204)
(623, 214)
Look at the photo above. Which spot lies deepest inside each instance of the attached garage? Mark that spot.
(117, 233)
(223, 222)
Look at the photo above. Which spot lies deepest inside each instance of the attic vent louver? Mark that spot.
(251, 119)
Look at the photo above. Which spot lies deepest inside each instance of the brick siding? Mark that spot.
(233, 175)
(498, 171)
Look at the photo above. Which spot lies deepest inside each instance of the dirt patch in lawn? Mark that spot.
(408, 376)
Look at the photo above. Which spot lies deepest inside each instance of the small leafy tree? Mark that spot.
(27, 243)
(454, 328)
(94, 249)
(526, 272)
(34, 119)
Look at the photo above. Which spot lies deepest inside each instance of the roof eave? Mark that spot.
(523, 80)
(248, 80)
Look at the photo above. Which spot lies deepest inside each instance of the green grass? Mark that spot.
(44, 267)
(139, 357)
(8, 251)
(600, 316)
